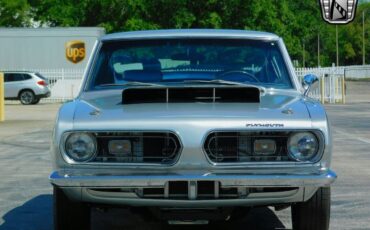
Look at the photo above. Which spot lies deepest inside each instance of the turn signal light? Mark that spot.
(264, 146)
(120, 147)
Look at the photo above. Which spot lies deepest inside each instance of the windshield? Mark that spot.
(177, 61)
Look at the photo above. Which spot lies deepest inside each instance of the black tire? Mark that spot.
(36, 101)
(239, 214)
(69, 215)
(313, 214)
(26, 97)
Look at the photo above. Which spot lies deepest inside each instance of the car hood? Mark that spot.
(276, 110)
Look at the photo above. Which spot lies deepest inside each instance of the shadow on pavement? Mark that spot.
(34, 214)
(37, 214)
(114, 219)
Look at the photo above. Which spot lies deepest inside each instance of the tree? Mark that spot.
(14, 13)
(297, 22)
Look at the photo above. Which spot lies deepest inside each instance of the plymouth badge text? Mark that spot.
(267, 125)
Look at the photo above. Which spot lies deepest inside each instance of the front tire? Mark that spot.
(26, 97)
(68, 214)
(36, 101)
(313, 214)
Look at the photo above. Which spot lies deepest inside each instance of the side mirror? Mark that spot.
(309, 81)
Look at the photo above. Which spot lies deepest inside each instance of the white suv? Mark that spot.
(27, 87)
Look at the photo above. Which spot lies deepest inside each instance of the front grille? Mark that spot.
(180, 190)
(203, 190)
(145, 147)
(208, 190)
(196, 190)
(228, 147)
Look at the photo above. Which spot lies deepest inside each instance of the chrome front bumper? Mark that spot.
(325, 178)
(100, 188)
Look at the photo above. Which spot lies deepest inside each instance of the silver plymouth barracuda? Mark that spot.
(192, 125)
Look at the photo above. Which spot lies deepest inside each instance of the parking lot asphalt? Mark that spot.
(26, 195)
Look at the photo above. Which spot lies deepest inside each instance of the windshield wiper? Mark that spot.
(132, 83)
(224, 82)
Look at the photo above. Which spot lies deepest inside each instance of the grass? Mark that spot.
(358, 79)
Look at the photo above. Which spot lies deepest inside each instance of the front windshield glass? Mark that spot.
(178, 61)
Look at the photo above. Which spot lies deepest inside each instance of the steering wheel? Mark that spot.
(224, 74)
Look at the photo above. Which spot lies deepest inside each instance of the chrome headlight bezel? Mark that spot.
(68, 157)
(321, 156)
(318, 151)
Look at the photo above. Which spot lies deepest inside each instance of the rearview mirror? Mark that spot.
(309, 81)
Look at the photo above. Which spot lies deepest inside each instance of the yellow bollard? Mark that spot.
(2, 102)
(343, 90)
(336, 87)
(322, 89)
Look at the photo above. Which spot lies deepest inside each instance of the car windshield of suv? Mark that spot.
(177, 61)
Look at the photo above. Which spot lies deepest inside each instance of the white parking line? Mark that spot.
(352, 136)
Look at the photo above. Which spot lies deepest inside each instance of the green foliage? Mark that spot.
(299, 23)
(14, 13)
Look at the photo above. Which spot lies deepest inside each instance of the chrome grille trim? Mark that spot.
(147, 147)
(175, 155)
(281, 158)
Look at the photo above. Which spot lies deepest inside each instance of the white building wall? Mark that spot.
(43, 48)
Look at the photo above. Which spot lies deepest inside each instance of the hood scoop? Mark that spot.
(191, 94)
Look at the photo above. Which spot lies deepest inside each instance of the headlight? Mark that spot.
(81, 147)
(302, 146)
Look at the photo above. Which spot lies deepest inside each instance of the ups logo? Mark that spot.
(75, 51)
